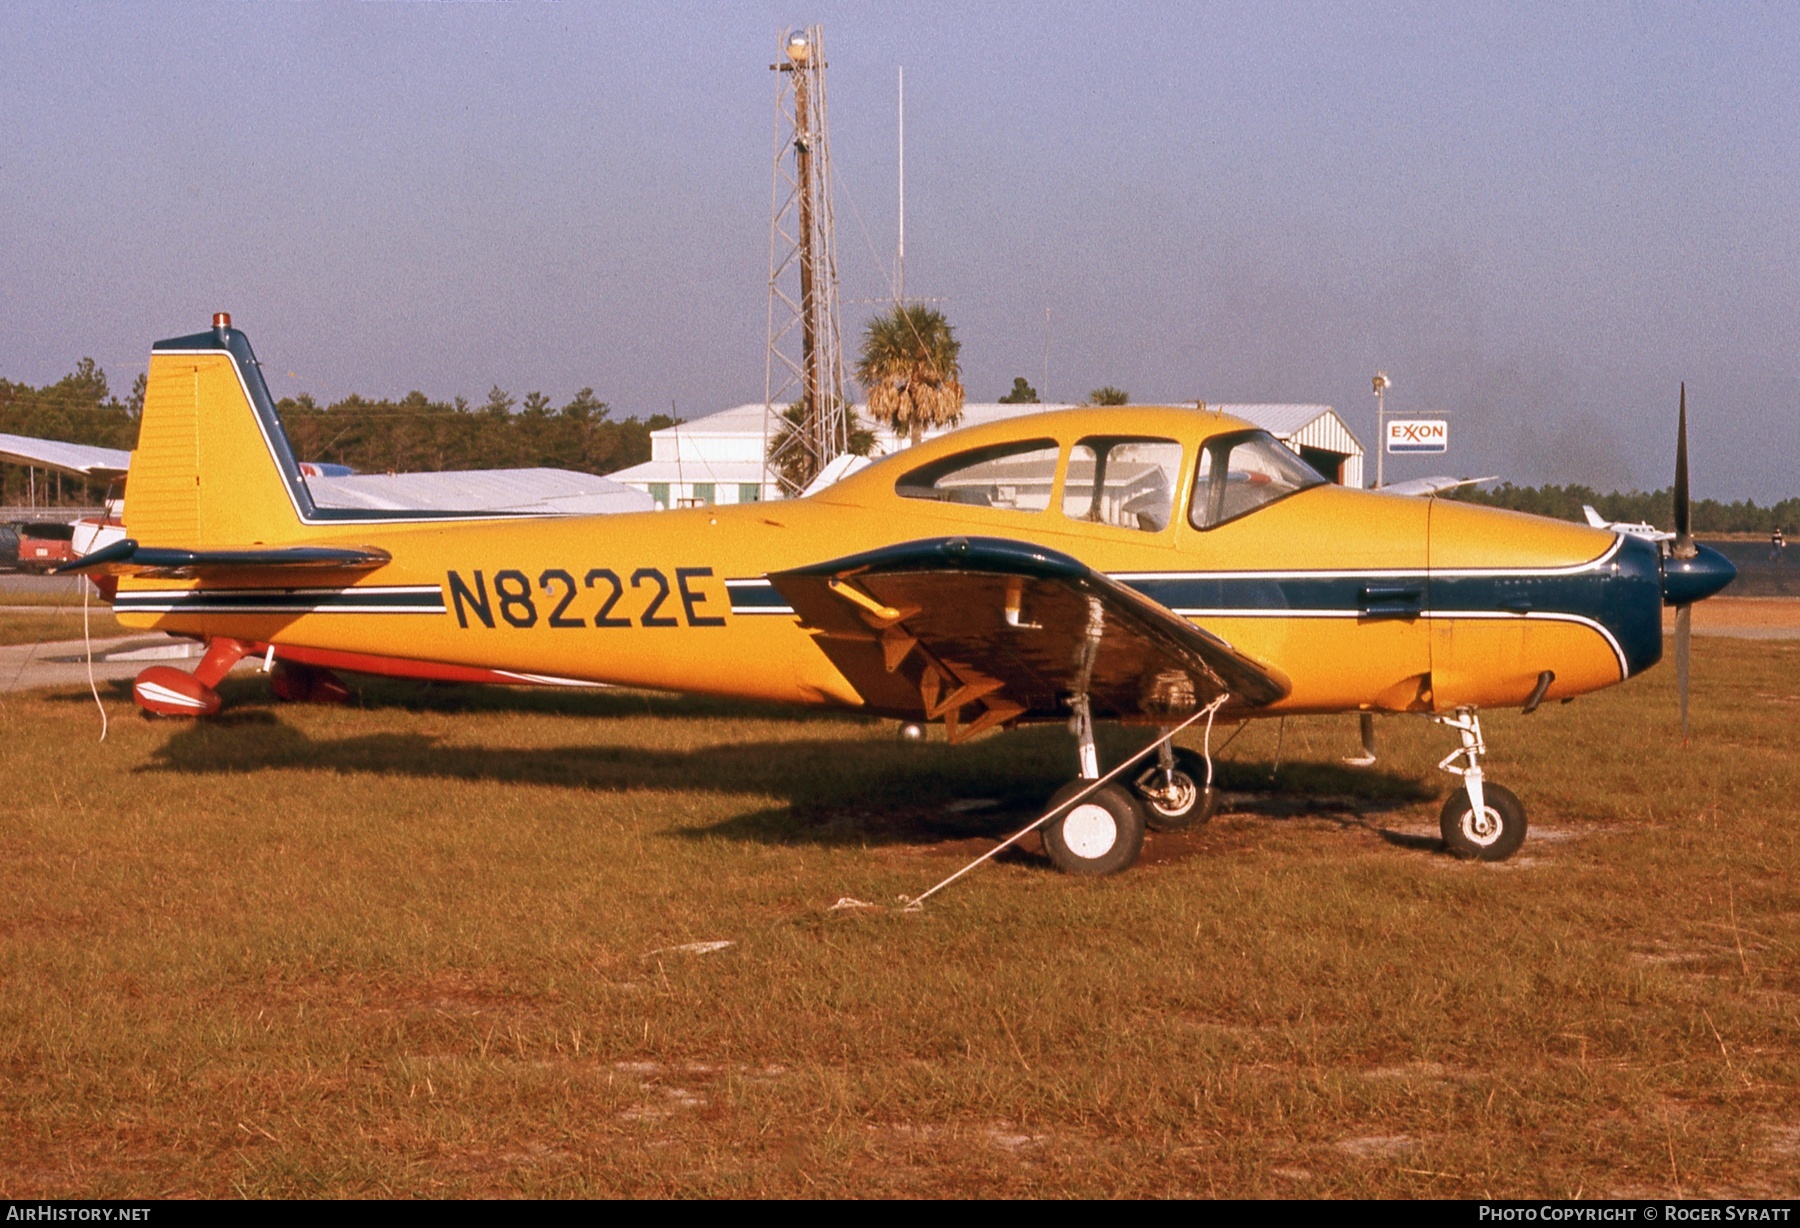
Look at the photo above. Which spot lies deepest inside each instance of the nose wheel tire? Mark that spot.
(1101, 834)
(1495, 835)
(1180, 801)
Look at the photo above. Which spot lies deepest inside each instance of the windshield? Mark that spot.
(1243, 472)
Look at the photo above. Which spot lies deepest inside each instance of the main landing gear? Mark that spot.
(1480, 821)
(1103, 832)
(1177, 793)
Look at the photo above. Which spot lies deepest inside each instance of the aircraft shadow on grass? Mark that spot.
(836, 791)
(399, 694)
(247, 698)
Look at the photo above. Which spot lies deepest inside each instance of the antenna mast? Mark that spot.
(900, 253)
(802, 238)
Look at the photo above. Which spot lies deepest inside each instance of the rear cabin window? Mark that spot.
(1128, 483)
(1016, 476)
(1242, 472)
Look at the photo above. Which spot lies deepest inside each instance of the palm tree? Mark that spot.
(791, 461)
(1108, 395)
(909, 366)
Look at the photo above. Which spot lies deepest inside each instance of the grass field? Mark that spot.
(61, 594)
(432, 945)
(56, 624)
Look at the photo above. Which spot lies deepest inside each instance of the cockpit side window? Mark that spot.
(1127, 482)
(1016, 476)
(1242, 472)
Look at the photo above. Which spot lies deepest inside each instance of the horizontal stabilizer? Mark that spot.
(127, 558)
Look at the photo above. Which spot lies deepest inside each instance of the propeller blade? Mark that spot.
(1683, 546)
(1684, 621)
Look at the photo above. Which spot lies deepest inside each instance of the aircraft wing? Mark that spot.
(80, 459)
(1432, 485)
(940, 625)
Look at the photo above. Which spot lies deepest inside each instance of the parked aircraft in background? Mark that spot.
(1643, 529)
(1147, 565)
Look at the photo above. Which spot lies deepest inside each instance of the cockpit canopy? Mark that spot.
(1126, 481)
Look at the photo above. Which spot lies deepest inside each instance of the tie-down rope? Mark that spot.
(918, 902)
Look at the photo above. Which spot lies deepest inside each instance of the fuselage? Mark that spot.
(1362, 600)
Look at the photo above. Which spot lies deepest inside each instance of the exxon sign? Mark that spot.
(1418, 435)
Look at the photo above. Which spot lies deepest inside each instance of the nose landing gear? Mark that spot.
(1480, 821)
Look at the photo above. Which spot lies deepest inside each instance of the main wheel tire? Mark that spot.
(1101, 834)
(1499, 833)
(1189, 803)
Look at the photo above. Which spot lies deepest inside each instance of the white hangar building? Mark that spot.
(719, 458)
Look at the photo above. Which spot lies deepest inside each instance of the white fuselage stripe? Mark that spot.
(1354, 573)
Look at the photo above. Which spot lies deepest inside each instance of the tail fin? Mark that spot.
(213, 468)
(1595, 518)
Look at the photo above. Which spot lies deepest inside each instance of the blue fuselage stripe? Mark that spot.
(756, 596)
(283, 601)
(1620, 593)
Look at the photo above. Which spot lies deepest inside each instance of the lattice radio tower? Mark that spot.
(803, 248)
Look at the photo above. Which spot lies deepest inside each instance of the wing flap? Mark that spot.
(936, 626)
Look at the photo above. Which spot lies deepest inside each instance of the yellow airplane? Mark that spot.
(1145, 565)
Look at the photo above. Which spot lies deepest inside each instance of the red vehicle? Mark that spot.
(43, 546)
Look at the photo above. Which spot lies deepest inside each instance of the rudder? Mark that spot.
(212, 468)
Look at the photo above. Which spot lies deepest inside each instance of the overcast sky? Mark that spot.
(1540, 219)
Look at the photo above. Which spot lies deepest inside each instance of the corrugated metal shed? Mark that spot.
(542, 492)
(1307, 427)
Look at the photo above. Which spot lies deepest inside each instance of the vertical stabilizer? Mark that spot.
(213, 468)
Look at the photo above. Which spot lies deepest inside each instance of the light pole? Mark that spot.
(1382, 384)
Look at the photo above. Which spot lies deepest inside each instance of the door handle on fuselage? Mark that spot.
(1392, 600)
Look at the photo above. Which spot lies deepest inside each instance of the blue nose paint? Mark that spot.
(1696, 579)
